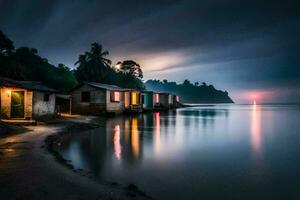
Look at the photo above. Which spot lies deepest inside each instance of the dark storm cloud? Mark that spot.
(236, 45)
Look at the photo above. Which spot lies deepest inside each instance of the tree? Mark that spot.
(197, 83)
(24, 63)
(97, 54)
(130, 67)
(186, 82)
(93, 66)
(6, 45)
(189, 92)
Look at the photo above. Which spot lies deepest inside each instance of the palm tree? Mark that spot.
(81, 60)
(93, 66)
(97, 54)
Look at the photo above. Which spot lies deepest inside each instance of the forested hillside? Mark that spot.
(190, 93)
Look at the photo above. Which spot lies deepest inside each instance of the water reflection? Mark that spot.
(157, 133)
(200, 148)
(117, 144)
(135, 142)
(207, 114)
(256, 137)
(256, 129)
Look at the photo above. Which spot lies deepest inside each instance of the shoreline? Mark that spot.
(30, 168)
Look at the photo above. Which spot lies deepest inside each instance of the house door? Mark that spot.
(127, 99)
(17, 104)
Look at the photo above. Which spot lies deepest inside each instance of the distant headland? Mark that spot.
(190, 93)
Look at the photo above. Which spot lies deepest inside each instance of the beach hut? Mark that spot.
(171, 100)
(162, 101)
(132, 100)
(25, 99)
(92, 98)
(148, 100)
(156, 99)
(177, 101)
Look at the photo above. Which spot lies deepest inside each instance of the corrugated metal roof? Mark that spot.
(30, 85)
(38, 86)
(105, 86)
(64, 96)
(147, 91)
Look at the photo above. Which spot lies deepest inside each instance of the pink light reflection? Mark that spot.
(256, 129)
(117, 144)
(157, 132)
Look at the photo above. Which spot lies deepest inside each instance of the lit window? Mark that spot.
(156, 98)
(115, 96)
(177, 98)
(134, 98)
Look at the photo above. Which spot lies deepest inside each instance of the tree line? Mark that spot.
(25, 63)
(190, 92)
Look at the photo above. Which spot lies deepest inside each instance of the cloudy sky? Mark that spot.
(251, 48)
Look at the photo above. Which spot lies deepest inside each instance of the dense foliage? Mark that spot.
(25, 64)
(130, 67)
(190, 93)
(93, 66)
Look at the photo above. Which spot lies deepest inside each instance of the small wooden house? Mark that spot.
(43, 102)
(176, 103)
(95, 98)
(132, 100)
(171, 100)
(25, 99)
(148, 100)
(156, 99)
(162, 101)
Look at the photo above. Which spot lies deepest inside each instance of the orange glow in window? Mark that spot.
(134, 98)
(156, 98)
(116, 96)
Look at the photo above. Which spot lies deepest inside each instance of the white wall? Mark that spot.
(41, 107)
(114, 106)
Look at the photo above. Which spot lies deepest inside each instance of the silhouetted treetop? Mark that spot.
(24, 63)
(94, 66)
(130, 67)
(6, 44)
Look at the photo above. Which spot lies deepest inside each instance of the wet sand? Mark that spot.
(29, 171)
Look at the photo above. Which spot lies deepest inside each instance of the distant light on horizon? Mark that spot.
(254, 96)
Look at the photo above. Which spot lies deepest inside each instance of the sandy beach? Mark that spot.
(29, 171)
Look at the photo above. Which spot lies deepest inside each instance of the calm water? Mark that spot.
(207, 152)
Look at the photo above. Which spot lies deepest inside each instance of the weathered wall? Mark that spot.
(164, 100)
(41, 107)
(6, 102)
(97, 104)
(148, 100)
(170, 101)
(116, 107)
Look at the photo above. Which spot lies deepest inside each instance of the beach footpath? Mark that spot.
(29, 171)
